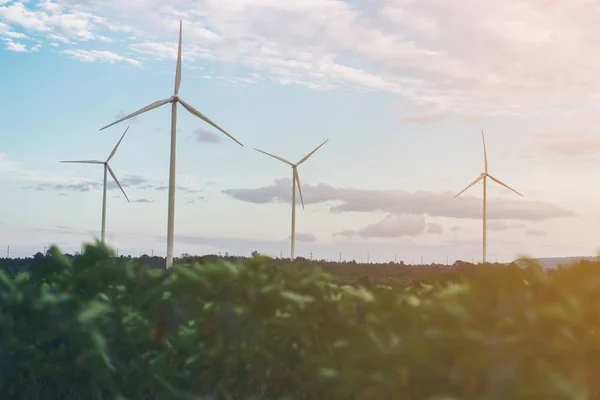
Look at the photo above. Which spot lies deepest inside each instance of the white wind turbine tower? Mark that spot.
(483, 176)
(107, 169)
(173, 100)
(295, 182)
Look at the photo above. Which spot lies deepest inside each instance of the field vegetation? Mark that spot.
(96, 326)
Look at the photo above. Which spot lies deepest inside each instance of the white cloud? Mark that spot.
(304, 237)
(14, 46)
(391, 226)
(55, 19)
(58, 38)
(99, 55)
(459, 58)
(6, 31)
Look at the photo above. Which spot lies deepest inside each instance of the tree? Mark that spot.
(254, 253)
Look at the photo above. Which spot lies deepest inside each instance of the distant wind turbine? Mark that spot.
(108, 169)
(295, 182)
(173, 100)
(484, 175)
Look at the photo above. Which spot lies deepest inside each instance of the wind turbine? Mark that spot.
(173, 100)
(295, 182)
(108, 169)
(483, 176)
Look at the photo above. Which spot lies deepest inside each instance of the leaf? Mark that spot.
(360, 293)
(174, 391)
(297, 298)
(6, 280)
(93, 310)
(328, 372)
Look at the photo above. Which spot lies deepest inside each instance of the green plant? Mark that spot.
(103, 327)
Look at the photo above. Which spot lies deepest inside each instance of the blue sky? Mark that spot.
(400, 88)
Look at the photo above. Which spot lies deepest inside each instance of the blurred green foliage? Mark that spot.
(99, 327)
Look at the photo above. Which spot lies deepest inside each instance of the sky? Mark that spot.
(401, 88)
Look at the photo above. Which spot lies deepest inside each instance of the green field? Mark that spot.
(99, 327)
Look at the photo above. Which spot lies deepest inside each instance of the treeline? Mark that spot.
(344, 272)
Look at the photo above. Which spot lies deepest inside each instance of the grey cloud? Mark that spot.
(304, 237)
(206, 136)
(134, 181)
(391, 226)
(128, 182)
(61, 229)
(346, 233)
(503, 226)
(401, 202)
(193, 200)
(435, 229)
(181, 188)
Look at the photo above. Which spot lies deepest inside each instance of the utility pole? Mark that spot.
(421, 259)
(44, 250)
(281, 254)
(340, 257)
(311, 255)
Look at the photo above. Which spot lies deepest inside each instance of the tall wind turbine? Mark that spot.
(173, 100)
(295, 182)
(108, 169)
(483, 176)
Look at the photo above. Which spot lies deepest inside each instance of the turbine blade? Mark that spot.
(117, 181)
(472, 183)
(178, 70)
(498, 181)
(297, 176)
(311, 153)
(277, 157)
(484, 152)
(84, 162)
(143, 110)
(205, 118)
(112, 153)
